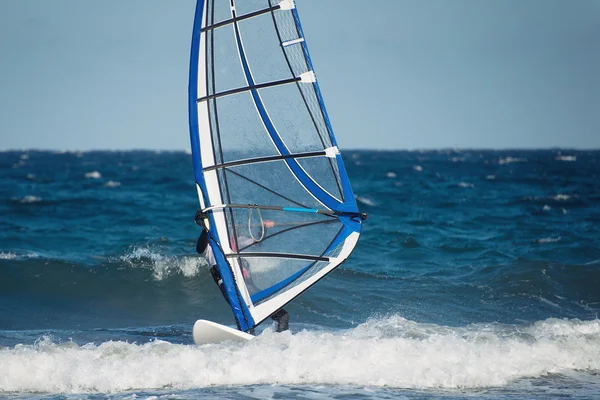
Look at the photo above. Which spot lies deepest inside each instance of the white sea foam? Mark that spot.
(93, 175)
(365, 200)
(164, 266)
(466, 185)
(7, 256)
(112, 184)
(566, 158)
(546, 207)
(561, 197)
(510, 160)
(11, 256)
(490, 177)
(391, 174)
(28, 199)
(548, 240)
(418, 168)
(392, 352)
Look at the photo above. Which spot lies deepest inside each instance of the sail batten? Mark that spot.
(252, 87)
(269, 176)
(241, 18)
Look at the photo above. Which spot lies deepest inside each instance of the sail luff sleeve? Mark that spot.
(207, 182)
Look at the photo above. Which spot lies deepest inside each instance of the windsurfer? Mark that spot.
(281, 316)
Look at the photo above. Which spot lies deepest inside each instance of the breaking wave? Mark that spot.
(387, 352)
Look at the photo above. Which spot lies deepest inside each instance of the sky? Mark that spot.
(395, 74)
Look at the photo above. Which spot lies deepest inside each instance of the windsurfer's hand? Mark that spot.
(269, 223)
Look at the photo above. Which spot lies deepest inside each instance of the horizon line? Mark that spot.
(187, 150)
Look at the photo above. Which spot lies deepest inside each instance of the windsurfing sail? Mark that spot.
(271, 182)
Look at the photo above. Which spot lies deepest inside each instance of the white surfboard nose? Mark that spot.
(205, 332)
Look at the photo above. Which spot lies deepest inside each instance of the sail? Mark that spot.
(270, 179)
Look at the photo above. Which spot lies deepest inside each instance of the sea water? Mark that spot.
(477, 276)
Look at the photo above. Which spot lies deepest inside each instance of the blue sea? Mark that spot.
(477, 276)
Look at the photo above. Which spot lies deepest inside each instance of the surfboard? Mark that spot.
(205, 332)
(273, 191)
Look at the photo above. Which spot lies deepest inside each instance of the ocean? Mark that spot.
(477, 275)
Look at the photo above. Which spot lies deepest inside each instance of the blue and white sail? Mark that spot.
(280, 210)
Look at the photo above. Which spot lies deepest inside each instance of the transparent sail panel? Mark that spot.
(241, 130)
(281, 232)
(265, 274)
(263, 49)
(326, 169)
(222, 11)
(257, 182)
(243, 7)
(274, 285)
(292, 119)
(245, 190)
(228, 73)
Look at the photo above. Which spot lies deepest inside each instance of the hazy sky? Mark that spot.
(399, 74)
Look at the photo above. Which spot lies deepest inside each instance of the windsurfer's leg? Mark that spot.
(202, 242)
(282, 318)
(217, 278)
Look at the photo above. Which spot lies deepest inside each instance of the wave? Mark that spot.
(390, 352)
(547, 240)
(29, 199)
(93, 175)
(511, 160)
(164, 266)
(566, 158)
(366, 201)
(7, 256)
(112, 184)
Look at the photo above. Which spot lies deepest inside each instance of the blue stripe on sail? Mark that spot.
(234, 298)
(349, 227)
(324, 197)
(349, 200)
(240, 311)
